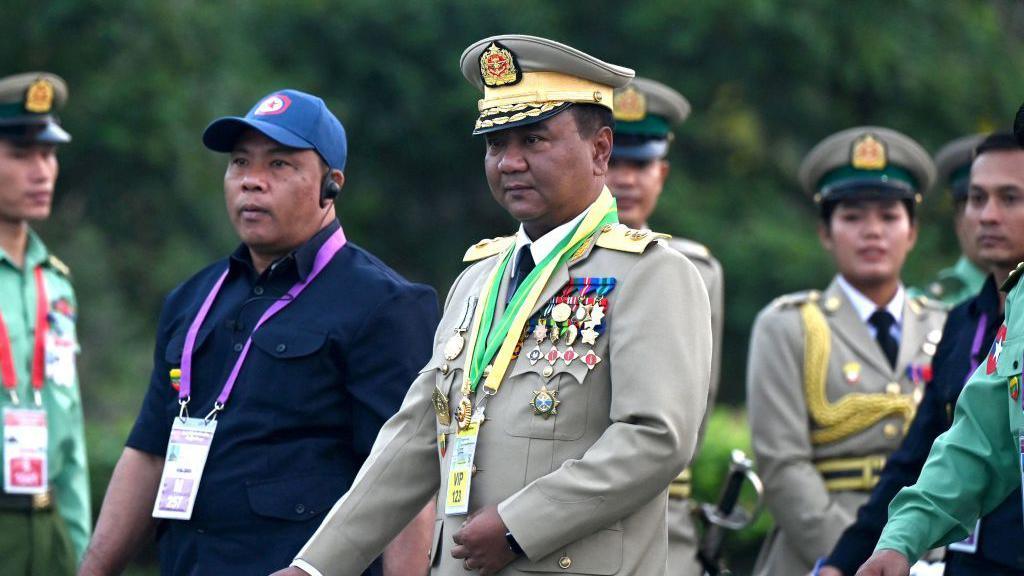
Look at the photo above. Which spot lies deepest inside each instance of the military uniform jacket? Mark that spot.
(1002, 529)
(583, 491)
(682, 531)
(853, 405)
(976, 465)
(62, 400)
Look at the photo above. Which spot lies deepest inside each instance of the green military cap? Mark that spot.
(28, 106)
(866, 162)
(953, 164)
(645, 111)
(526, 79)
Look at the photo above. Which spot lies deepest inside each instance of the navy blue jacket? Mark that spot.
(999, 540)
(321, 378)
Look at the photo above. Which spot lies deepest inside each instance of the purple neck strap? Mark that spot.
(979, 336)
(323, 257)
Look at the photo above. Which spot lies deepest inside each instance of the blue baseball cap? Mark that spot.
(289, 117)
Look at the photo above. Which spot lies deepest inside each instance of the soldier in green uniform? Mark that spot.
(44, 505)
(963, 279)
(645, 111)
(834, 377)
(979, 461)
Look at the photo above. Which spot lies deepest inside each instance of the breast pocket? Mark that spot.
(287, 360)
(567, 389)
(597, 554)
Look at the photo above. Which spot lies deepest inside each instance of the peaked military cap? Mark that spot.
(953, 164)
(28, 108)
(866, 162)
(526, 79)
(645, 111)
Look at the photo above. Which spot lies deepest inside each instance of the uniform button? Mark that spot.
(444, 369)
(281, 348)
(200, 531)
(548, 371)
(564, 562)
(300, 509)
(258, 290)
(892, 388)
(238, 347)
(890, 430)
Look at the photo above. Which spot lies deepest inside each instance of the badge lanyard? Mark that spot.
(323, 257)
(979, 337)
(7, 369)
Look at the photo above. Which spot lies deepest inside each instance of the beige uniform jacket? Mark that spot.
(682, 531)
(853, 405)
(584, 491)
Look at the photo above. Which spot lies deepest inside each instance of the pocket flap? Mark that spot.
(288, 341)
(1011, 355)
(597, 554)
(176, 345)
(296, 498)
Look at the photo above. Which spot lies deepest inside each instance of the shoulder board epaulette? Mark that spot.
(58, 265)
(796, 299)
(690, 248)
(625, 239)
(1013, 278)
(488, 247)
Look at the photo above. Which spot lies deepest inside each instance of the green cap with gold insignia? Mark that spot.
(645, 111)
(867, 162)
(28, 108)
(526, 79)
(953, 164)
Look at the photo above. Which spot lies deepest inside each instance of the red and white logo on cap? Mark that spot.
(271, 105)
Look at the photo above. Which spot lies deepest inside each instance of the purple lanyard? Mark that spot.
(979, 335)
(323, 257)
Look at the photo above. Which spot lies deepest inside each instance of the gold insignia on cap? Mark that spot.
(39, 96)
(498, 66)
(868, 153)
(630, 105)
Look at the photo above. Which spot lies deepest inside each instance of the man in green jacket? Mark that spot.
(44, 502)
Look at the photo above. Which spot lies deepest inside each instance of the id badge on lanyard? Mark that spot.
(187, 451)
(460, 472)
(25, 434)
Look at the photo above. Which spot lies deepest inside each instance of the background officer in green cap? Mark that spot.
(834, 377)
(44, 505)
(963, 279)
(645, 111)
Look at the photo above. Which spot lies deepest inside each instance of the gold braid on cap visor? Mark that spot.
(536, 94)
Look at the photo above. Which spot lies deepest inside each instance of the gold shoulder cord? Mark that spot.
(854, 412)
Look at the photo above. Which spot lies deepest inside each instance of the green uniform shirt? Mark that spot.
(975, 465)
(69, 475)
(955, 284)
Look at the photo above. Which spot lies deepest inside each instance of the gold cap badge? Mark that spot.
(39, 97)
(868, 153)
(630, 105)
(498, 66)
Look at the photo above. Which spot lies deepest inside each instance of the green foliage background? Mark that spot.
(140, 204)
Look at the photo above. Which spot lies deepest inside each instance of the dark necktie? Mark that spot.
(524, 265)
(882, 320)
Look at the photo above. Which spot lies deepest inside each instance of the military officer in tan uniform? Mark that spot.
(570, 369)
(834, 377)
(645, 111)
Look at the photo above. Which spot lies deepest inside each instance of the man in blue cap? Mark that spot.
(296, 348)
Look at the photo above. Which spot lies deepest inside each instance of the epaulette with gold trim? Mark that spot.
(488, 247)
(625, 239)
(922, 301)
(1013, 278)
(59, 266)
(796, 299)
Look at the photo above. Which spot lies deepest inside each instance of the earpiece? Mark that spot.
(329, 190)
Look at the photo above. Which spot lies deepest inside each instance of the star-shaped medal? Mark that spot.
(545, 402)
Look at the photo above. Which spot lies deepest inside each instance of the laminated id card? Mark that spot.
(460, 472)
(25, 441)
(183, 467)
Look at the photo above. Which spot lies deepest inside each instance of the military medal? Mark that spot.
(553, 355)
(541, 331)
(535, 355)
(591, 359)
(569, 355)
(545, 402)
(596, 315)
(453, 347)
(589, 336)
(581, 312)
(570, 334)
(1014, 387)
(464, 412)
(561, 312)
(440, 402)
